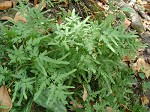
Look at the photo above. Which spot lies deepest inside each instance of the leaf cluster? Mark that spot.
(42, 55)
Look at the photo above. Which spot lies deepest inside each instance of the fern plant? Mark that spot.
(42, 56)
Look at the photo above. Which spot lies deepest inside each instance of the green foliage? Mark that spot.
(146, 86)
(139, 108)
(57, 106)
(42, 55)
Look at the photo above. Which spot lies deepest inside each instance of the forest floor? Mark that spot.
(141, 11)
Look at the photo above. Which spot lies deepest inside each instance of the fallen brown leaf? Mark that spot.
(141, 65)
(144, 100)
(109, 109)
(126, 58)
(18, 18)
(85, 94)
(140, 51)
(79, 105)
(127, 23)
(6, 18)
(5, 99)
(5, 5)
(43, 6)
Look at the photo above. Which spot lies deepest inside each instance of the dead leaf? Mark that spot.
(126, 58)
(127, 23)
(5, 99)
(18, 18)
(85, 94)
(6, 18)
(79, 105)
(144, 100)
(109, 109)
(5, 5)
(141, 65)
(43, 6)
(140, 51)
